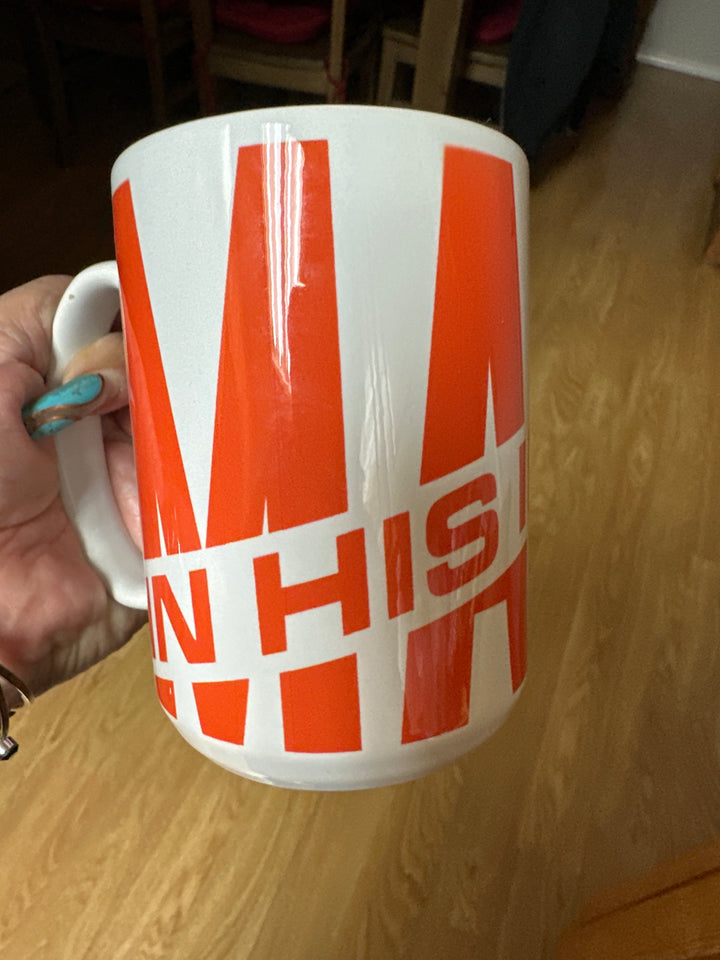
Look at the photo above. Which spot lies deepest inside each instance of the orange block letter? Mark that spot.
(161, 474)
(443, 539)
(476, 325)
(349, 587)
(198, 647)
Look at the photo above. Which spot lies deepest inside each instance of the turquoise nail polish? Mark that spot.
(62, 406)
(75, 392)
(54, 426)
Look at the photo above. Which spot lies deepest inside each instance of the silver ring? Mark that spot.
(8, 746)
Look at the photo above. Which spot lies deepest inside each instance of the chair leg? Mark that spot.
(56, 87)
(386, 77)
(443, 32)
(336, 65)
(203, 29)
(153, 57)
(368, 72)
(154, 61)
(205, 84)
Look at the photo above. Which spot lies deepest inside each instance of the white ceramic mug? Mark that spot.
(323, 309)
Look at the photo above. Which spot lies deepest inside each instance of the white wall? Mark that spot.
(684, 35)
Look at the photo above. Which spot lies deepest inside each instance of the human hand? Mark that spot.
(56, 617)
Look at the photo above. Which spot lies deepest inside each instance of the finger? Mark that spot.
(122, 418)
(123, 480)
(106, 357)
(26, 316)
(118, 426)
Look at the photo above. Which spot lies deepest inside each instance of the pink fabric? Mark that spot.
(495, 23)
(276, 22)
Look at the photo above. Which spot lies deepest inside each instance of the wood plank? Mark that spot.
(664, 878)
(681, 923)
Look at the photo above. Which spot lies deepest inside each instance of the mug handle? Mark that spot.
(87, 312)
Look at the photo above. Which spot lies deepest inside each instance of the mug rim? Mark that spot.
(286, 113)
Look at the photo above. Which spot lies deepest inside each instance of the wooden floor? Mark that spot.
(118, 841)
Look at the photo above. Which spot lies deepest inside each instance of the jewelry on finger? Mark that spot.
(9, 746)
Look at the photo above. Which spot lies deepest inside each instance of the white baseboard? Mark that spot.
(709, 71)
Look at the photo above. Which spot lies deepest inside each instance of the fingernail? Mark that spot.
(58, 408)
(75, 392)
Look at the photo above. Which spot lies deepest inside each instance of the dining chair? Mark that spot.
(151, 30)
(482, 63)
(451, 39)
(312, 48)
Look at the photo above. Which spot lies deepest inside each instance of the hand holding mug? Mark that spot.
(56, 614)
